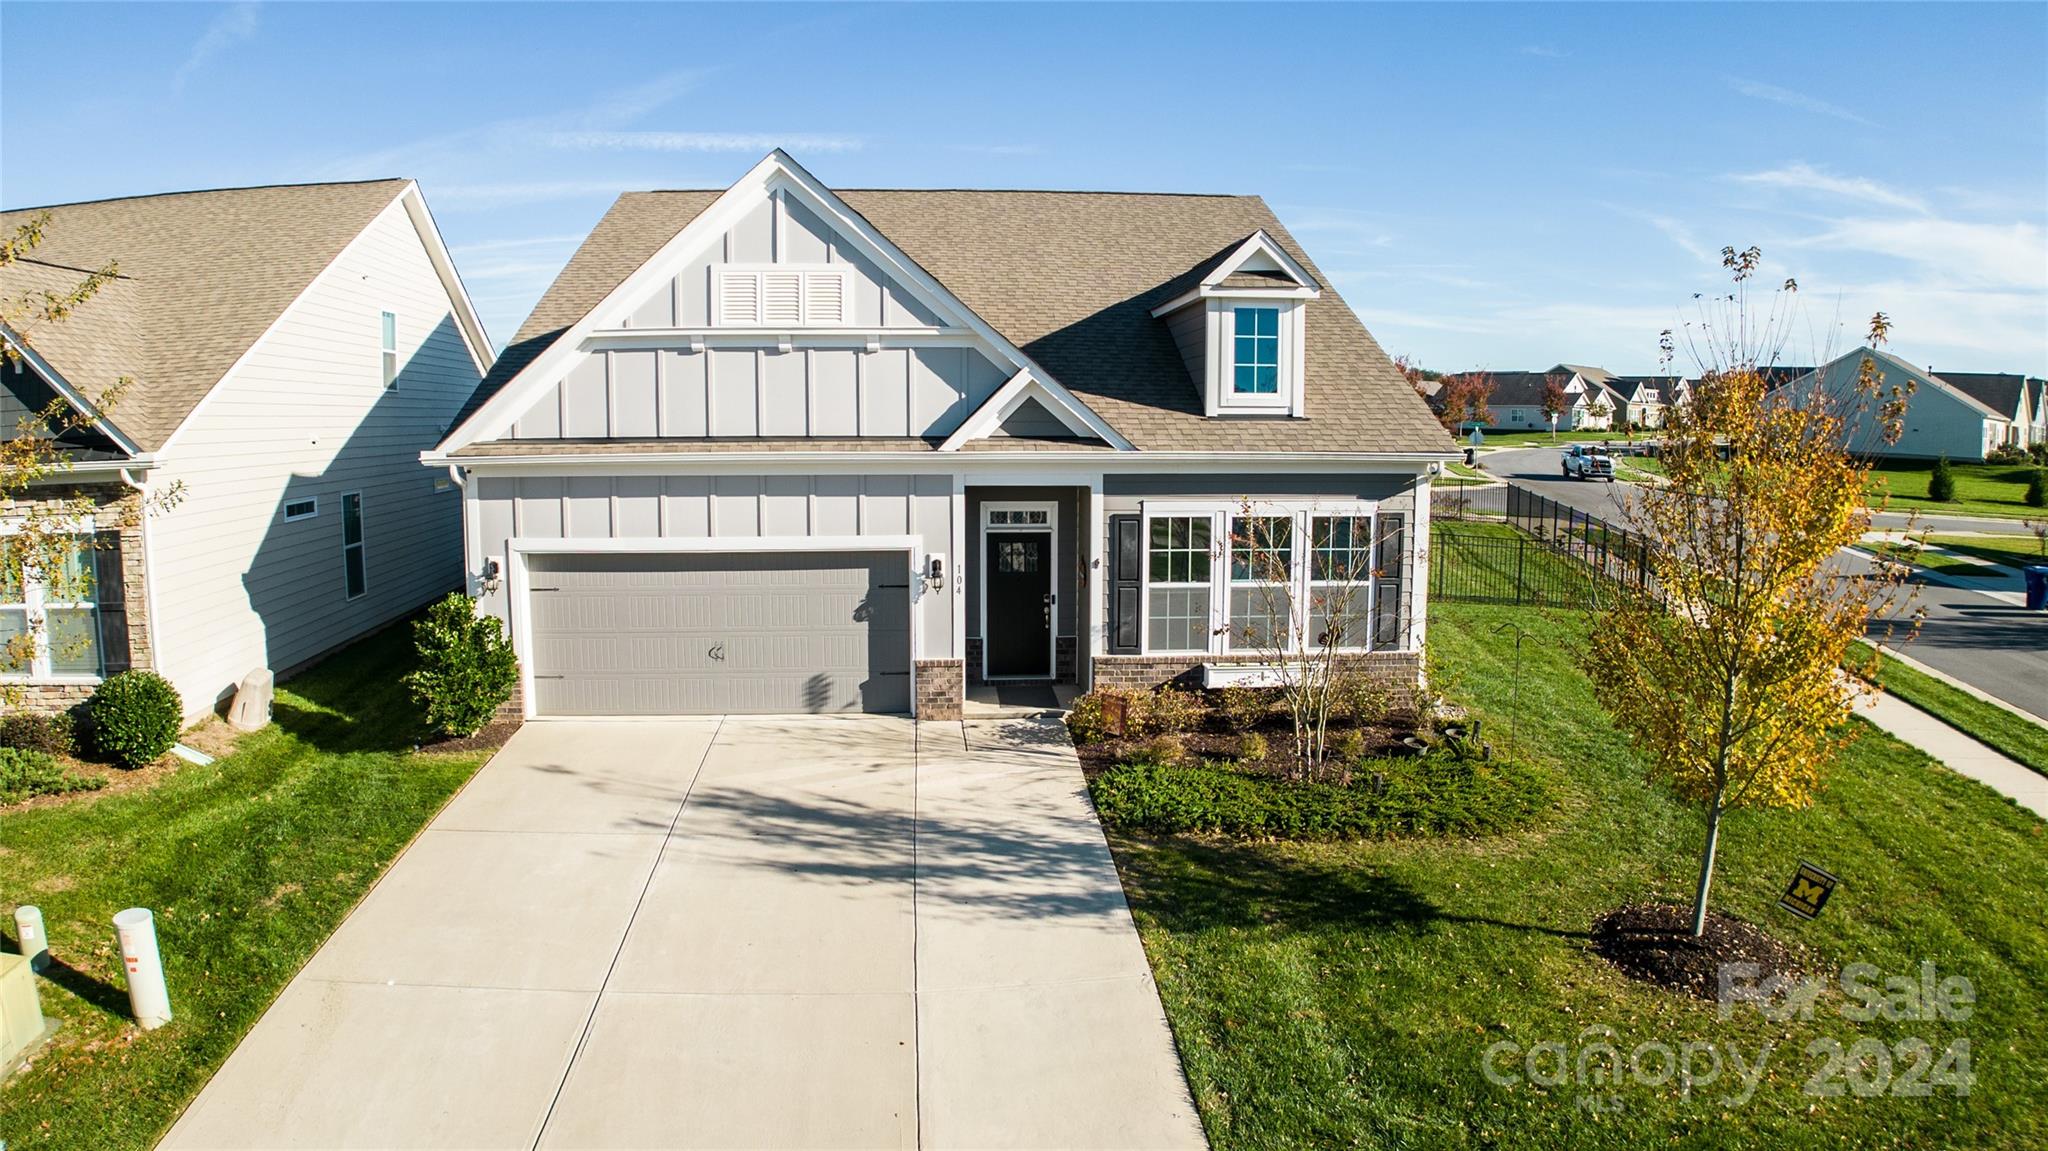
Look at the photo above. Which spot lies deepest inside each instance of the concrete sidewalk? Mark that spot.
(1958, 750)
(749, 932)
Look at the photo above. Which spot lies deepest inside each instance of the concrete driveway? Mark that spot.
(739, 932)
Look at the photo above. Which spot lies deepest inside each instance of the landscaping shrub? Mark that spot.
(1244, 708)
(1164, 750)
(1252, 748)
(1095, 716)
(26, 773)
(2039, 454)
(1348, 746)
(1171, 710)
(30, 731)
(2037, 489)
(1362, 699)
(1941, 486)
(134, 717)
(1427, 795)
(2006, 454)
(466, 666)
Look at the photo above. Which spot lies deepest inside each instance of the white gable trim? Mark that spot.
(1258, 243)
(1023, 386)
(71, 394)
(776, 173)
(415, 207)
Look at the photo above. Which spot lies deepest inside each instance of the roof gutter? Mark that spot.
(1115, 461)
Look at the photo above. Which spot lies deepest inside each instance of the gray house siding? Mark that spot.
(721, 507)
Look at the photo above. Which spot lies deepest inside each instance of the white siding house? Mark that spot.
(290, 436)
(1940, 419)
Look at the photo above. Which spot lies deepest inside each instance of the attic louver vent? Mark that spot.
(781, 295)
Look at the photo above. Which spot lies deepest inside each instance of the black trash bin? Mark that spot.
(1471, 457)
(2037, 587)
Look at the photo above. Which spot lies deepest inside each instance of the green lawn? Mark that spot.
(1539, 437)
(248, 863)
(2021, 739)
(1346, 995)
(2016, 551)
(1981, 489)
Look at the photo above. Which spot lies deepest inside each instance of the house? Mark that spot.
(1515, 399)
(780, 447)
(1642, 400)
(2018, 398)
(1959, 415)
(292, 350)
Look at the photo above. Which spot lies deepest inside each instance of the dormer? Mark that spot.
(1242, 331)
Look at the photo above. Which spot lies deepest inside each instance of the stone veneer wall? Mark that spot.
(1151, 671)
(118, 507)
(941, 689)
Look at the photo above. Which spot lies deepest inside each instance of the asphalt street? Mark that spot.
(1989, 642)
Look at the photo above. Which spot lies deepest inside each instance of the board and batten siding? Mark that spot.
(642, 394)
(307, 415)
(718, 507)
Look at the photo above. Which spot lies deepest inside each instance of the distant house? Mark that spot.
(1643, 400)
(292, 351)
(1961, 415)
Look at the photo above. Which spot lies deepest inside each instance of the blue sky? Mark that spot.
(1489, 186)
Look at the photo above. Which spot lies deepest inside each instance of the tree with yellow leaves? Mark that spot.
(1723, 667)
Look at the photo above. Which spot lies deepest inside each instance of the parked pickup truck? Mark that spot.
(1589, 462)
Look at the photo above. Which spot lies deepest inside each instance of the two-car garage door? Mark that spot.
(690, 633)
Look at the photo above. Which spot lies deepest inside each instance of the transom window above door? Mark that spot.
(1018, 517)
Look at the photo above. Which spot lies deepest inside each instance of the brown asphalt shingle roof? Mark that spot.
(1071, 278)
(1999, 391)
(203, 274)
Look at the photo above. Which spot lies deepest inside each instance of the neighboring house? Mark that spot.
(1515, 402)
(2018, 398)
(1642, 400)
(785, 448)
(1943, 418)
(292, 351)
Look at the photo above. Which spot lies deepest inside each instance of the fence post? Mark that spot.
(1521, 550)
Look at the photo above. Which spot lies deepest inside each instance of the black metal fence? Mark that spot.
(1479, 565)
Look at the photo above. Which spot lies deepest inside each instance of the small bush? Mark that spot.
(2039, 454)
(1105, 713)
(1170, 710)
(466, 666)
(1941, 486)
(1163, 750)
(50, 734)
(2006, 454)
(1427, 795)
(134, 717)
(2037, 489)
(1245, 708)
(1362, 699)
(26, 773)
(1252, 748)
(1348, 747)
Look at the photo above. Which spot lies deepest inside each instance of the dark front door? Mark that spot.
(1019, 608)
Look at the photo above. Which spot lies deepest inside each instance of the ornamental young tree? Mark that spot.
(1462, 400)
(1724, 667)
(1555, 402)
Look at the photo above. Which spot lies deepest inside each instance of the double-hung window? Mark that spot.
(69, 642)
(1177, 618)
(388, 344)
(1261, 582)
(1256, 362)
(1340, 581)
(355, 572)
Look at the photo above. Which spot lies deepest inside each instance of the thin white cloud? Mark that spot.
(1758, 90)
(1681, 235)
(512, 245)
(624, 141)
(1806, 178)
(231, 27)
(1955, 252)
(500, 193)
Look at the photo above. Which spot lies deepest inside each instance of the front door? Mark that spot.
(1019, 607)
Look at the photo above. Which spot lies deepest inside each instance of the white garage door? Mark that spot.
(713, 633)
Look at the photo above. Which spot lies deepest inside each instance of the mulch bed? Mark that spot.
(1653, 942)
(1215, 741)
(491, 738)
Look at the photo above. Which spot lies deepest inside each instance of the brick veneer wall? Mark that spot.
(118, 507)
(1151, 671)
(941, 689)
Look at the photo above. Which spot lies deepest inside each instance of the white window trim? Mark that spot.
(1302, 511)
(33, 607)
(1221, 399)
(291, 518)
(387, 357)
(363, 520)
(805, 274)
(1050, 528)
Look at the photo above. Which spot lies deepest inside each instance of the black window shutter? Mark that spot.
(1127, 563)
(1390, 606)
(112, 600)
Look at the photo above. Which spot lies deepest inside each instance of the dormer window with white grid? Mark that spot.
(782, 295)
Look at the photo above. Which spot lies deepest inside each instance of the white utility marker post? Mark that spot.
(148, 998)
(35, 942)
